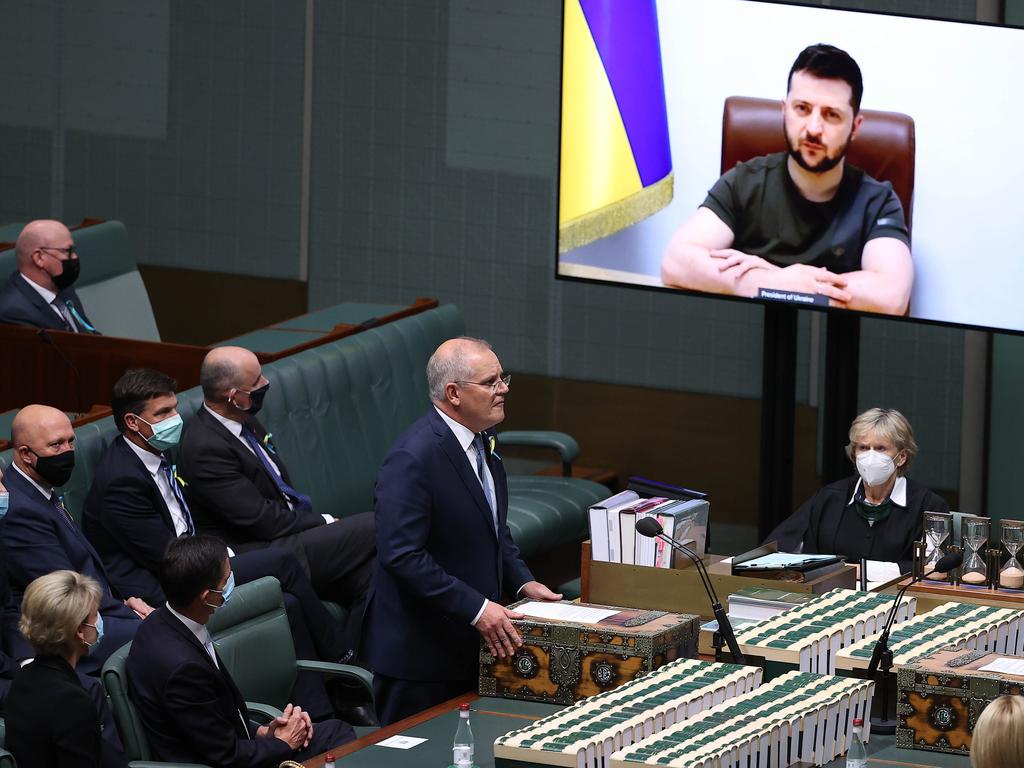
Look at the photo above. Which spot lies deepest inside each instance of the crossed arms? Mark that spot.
(700, 257)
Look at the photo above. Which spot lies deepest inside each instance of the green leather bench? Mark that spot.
(110, 286)
(336, 409)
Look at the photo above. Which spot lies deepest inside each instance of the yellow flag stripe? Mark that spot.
(597, 166)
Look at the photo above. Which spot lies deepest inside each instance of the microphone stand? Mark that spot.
(882, 654)
(724, 627)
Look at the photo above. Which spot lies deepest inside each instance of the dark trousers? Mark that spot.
(308, 618)
(397, 699)
(340, 559)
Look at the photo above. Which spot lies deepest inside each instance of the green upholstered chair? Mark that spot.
(110, 286)
(6, 759)
(254, 641)
(129, 725)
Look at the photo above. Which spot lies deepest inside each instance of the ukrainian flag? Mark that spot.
(616, 164)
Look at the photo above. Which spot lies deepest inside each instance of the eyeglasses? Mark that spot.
(505, 378)
(68, 252)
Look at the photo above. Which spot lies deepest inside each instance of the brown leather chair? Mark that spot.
(884, 147)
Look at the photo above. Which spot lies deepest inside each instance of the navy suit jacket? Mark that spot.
(128, 522)
(21, 305)
(38, 539)
(230, 492)
(189, 707)
(8, 627)
(438, 557)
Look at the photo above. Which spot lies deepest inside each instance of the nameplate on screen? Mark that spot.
(793, 297)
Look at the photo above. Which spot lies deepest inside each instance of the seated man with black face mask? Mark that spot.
(39, 293)
(39, 536)
(238, 488)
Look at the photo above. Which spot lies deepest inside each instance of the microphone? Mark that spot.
(881, 654)
(945, 564)
(48, 339)
(651, 528)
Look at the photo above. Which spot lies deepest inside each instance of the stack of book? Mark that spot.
(613, 536)
(763, 603)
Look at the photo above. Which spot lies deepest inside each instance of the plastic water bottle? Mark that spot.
(462, 750)
(857, 754)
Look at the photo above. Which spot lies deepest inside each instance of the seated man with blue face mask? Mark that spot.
(190, 707)
(875, 514)
(137, 506)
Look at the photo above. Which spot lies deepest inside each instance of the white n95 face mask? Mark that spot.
(875, 467)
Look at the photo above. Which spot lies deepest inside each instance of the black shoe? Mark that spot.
(357, 714)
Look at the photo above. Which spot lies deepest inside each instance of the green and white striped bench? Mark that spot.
(796, 717)
(585, 734)
(965, 626)
(811, 635)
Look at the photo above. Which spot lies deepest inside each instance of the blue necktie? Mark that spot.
(478, 441)
(58, 502)
(168, 473)
(79, 320)
(299, 500)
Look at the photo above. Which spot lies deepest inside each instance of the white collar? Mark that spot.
(462, 433)
(46, 493)
(151, 460)
(46, 293)
(199, 630)
(232, 426)
(897, 496)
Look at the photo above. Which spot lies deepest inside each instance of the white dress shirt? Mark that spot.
(466, 438)
(152, 463)
(47, 493)
(235, 428)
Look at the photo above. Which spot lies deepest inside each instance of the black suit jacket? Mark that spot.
(190, 708)
(127, 521)
(438, 557)
(21, 305)
(8, 627)
(51, 720)
(37, 540)
(229, 491)
(816, 522)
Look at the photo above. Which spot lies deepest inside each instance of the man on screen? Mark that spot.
(803, 220)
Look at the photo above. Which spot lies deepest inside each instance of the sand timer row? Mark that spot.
(982, 562)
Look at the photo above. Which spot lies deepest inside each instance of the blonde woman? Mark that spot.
(51, 721)
(874, 514)
(998, 740)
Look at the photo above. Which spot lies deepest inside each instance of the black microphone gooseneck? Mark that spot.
(651, 528)
(882, 654)
(48, 339)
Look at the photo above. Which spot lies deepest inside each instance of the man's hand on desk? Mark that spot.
(537, 591)
(496, 627)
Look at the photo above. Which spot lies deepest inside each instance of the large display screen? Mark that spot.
(642, 195)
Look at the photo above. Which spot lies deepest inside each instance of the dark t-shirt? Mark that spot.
(769, 217)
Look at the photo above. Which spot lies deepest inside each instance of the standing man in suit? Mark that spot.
(445, 555)
(39, 293)
(238, 488)
(190, 707)
(39, 536)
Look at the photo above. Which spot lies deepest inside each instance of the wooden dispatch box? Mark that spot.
(680, 588)
(562, 662)
(937, 705)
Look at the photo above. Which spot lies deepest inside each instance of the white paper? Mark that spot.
(400, 742)
(1006, 665)
(565, 612)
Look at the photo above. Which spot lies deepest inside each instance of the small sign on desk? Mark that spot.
(400, 742)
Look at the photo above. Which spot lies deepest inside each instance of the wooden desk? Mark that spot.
(76, 371)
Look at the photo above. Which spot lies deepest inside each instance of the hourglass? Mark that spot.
(974, 532)
(938, 526)
(1012, 574)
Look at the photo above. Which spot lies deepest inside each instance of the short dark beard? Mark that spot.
(824, 165)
